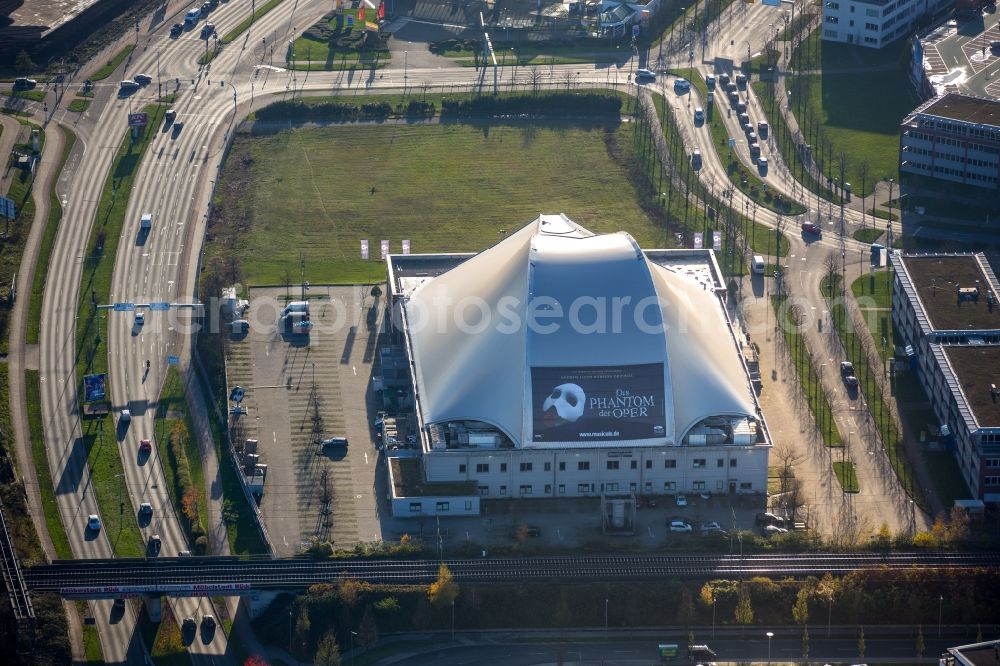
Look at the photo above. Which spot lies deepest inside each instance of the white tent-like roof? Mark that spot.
(560, 337)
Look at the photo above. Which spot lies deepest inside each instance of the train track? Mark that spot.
(167, 575)
(13, 578)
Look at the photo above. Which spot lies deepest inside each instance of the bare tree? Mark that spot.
(535, 79)
(830, 265)
(864, 167)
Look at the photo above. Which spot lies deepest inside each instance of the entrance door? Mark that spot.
(732, 487)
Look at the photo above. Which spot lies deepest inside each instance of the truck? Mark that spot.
(296, 307)
(146, 222)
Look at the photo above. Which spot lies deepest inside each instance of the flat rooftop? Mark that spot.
(966, 109)
(979, 654)
(976, 367)
(936, 279)
(45, 14)
(408, 481)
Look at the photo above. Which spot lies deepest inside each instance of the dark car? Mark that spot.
(811, 228)
(153, 545)
(207, 30)
(176, 29)
(995, 45)
(762, 519)
(143, 79)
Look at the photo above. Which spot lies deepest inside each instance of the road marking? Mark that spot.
(355, 369)
(366, 457)
(274, 437)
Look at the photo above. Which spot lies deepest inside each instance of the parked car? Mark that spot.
(681, 500)
(93, 523)
(207, 30)
(812, 228)
(140, 319)
(708, 528)
(762, 519)
(680, 525)
(682, 85)
(768, 530)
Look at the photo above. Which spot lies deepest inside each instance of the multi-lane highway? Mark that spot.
(174, 183)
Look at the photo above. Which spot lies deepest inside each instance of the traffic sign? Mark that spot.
(124, 307)
(7, 208)
(159, 307)
(173, 360)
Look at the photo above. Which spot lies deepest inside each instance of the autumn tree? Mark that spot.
(328, 652)
(303, 627)
(444, 590)
(744, 607)
(255, 660)
(368, 629)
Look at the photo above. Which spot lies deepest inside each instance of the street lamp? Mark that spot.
(940, 602)
(353, 634)
(769, 635)
(606, 621)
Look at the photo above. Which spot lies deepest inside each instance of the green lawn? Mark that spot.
(112, 65)
(847, 476)
(53, 520)
(876, 289)
(187, 471)
(429, 183)
(34, 95)
(79, 105)
(336, 45)
(12, 249)
(168, 648)
(45, 250)
(867, 235)
(809, 380)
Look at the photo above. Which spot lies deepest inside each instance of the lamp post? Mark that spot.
(769, 635)
(606, 621)
(819, 388)
(353, 634)
(940, 603)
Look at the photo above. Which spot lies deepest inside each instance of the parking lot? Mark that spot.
(310, 492)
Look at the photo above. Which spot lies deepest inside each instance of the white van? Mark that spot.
(146, 221)
(757, 264)
(296, 306)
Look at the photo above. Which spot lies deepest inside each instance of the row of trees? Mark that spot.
(353, 612)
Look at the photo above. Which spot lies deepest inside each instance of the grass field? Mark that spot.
(847, 476)
(112, 65)
(45, 250)
(79, 105)
(456, 186)
(341, 48)
(867, 235)
(34, 95)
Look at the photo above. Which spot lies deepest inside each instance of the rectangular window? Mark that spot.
(732, 462)
(468, 505)
(583, 465)
(548, 467)
(482, 468)
(583, 487)
(503, 467)
(721, 462)
(484, 490)
(871, 26)
(503, 490)
(698, 463)
(991, 462)
(649, 486)
(548, 488)
(612, 464)
(649, 464)
(991, 481)
(832, 19)
(670, 463)
(562, 467)
(562, 488)
(746, 486)
(698, 485)
(634, 464)
(612, 487)
(669, 486)
(461, 469)
(525, 490)
(719, 485)
(871, 12)
(416, 507)
(442, 506)
(525, 467)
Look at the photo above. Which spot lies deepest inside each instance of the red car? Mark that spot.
(145, 447)
(811, 228)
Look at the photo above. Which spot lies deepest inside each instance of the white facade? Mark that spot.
(874, 24)
(953, 138)
(654, 398)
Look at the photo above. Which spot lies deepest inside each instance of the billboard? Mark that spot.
(94, 387)
(597, 403)
(137, 119)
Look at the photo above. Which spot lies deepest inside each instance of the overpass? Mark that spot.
(207, 576)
